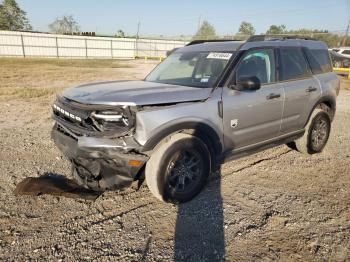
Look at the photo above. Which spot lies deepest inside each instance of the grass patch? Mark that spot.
(29, 92)
(85, 63)
(44, 77)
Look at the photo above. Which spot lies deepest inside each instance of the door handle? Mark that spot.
(273, 96)
(311, 89)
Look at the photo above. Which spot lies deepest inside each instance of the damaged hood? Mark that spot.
(134, 93)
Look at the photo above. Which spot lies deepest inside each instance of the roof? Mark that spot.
(312, 44)
(213, 46)
(256, 41)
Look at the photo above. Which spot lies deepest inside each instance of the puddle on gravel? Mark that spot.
(55, 185)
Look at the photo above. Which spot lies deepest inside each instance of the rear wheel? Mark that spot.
(178, 169)
(316, 133)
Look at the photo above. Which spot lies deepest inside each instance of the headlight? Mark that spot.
(107, 117)
(110, 119)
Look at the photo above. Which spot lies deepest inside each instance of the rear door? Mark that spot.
(250, 117)
(301, 88)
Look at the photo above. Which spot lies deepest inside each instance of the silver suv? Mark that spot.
(208, 102)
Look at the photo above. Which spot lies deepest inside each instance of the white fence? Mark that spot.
(24, 44)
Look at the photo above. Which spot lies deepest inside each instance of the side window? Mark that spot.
(314, 63)
(322, 57)
(294, 64)
(259, 63)
(346, 52)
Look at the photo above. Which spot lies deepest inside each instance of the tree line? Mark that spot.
(246, 29)
(13, 18)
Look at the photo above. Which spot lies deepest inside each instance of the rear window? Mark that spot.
(294, 64)
(323, 59)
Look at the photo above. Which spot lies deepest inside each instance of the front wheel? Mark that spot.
(178, 169)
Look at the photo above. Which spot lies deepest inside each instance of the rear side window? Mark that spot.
(323, 59)
(294, 64)
(315, 65)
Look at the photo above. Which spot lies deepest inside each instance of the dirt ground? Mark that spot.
(275, 205)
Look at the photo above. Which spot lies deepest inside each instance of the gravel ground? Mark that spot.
(275, 205)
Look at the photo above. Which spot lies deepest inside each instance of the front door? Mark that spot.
(250, 117)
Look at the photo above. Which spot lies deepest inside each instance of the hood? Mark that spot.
(134, 93)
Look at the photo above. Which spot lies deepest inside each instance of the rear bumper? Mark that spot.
(105, 161)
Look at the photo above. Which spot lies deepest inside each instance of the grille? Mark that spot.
(73, 116)
(76, 117)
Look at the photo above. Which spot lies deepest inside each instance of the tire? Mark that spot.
(316, 133)
(178, 168)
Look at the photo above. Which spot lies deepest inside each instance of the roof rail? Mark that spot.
(196, 42)
(255, 38)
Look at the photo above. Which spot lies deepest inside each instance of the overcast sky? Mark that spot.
(180, 17)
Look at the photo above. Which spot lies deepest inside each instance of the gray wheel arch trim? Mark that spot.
(203, 129)
(326, 99)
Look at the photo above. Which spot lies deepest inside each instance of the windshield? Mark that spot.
(198, 69)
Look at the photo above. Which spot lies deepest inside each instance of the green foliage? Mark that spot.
(276, 29)
(246, 28)
(12, 17)
(120, 33)
(347, 41)
(332, 40)
(206, 31)
(65, 24)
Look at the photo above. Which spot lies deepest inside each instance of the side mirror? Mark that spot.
(250, 83)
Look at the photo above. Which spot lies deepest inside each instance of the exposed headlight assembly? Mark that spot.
(118, 117)
(107, 117)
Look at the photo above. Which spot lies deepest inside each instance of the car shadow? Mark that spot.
(199, 231)
(54, 184)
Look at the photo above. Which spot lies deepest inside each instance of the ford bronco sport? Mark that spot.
(208, 102)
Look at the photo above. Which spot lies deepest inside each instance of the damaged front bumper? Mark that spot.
(100, 163)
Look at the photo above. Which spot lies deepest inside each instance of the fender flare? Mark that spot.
(326, 99)
(202, 130)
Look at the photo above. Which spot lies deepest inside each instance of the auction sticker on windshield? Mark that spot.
(223, 56)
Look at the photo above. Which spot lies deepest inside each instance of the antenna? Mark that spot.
(138, 29)
(199, 22)
(137, 39)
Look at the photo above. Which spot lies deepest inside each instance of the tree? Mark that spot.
(332, 40)
(246, 29)
(65, 24)
(120, 33)
(205, 31)
(12, 17)
(276, 30)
